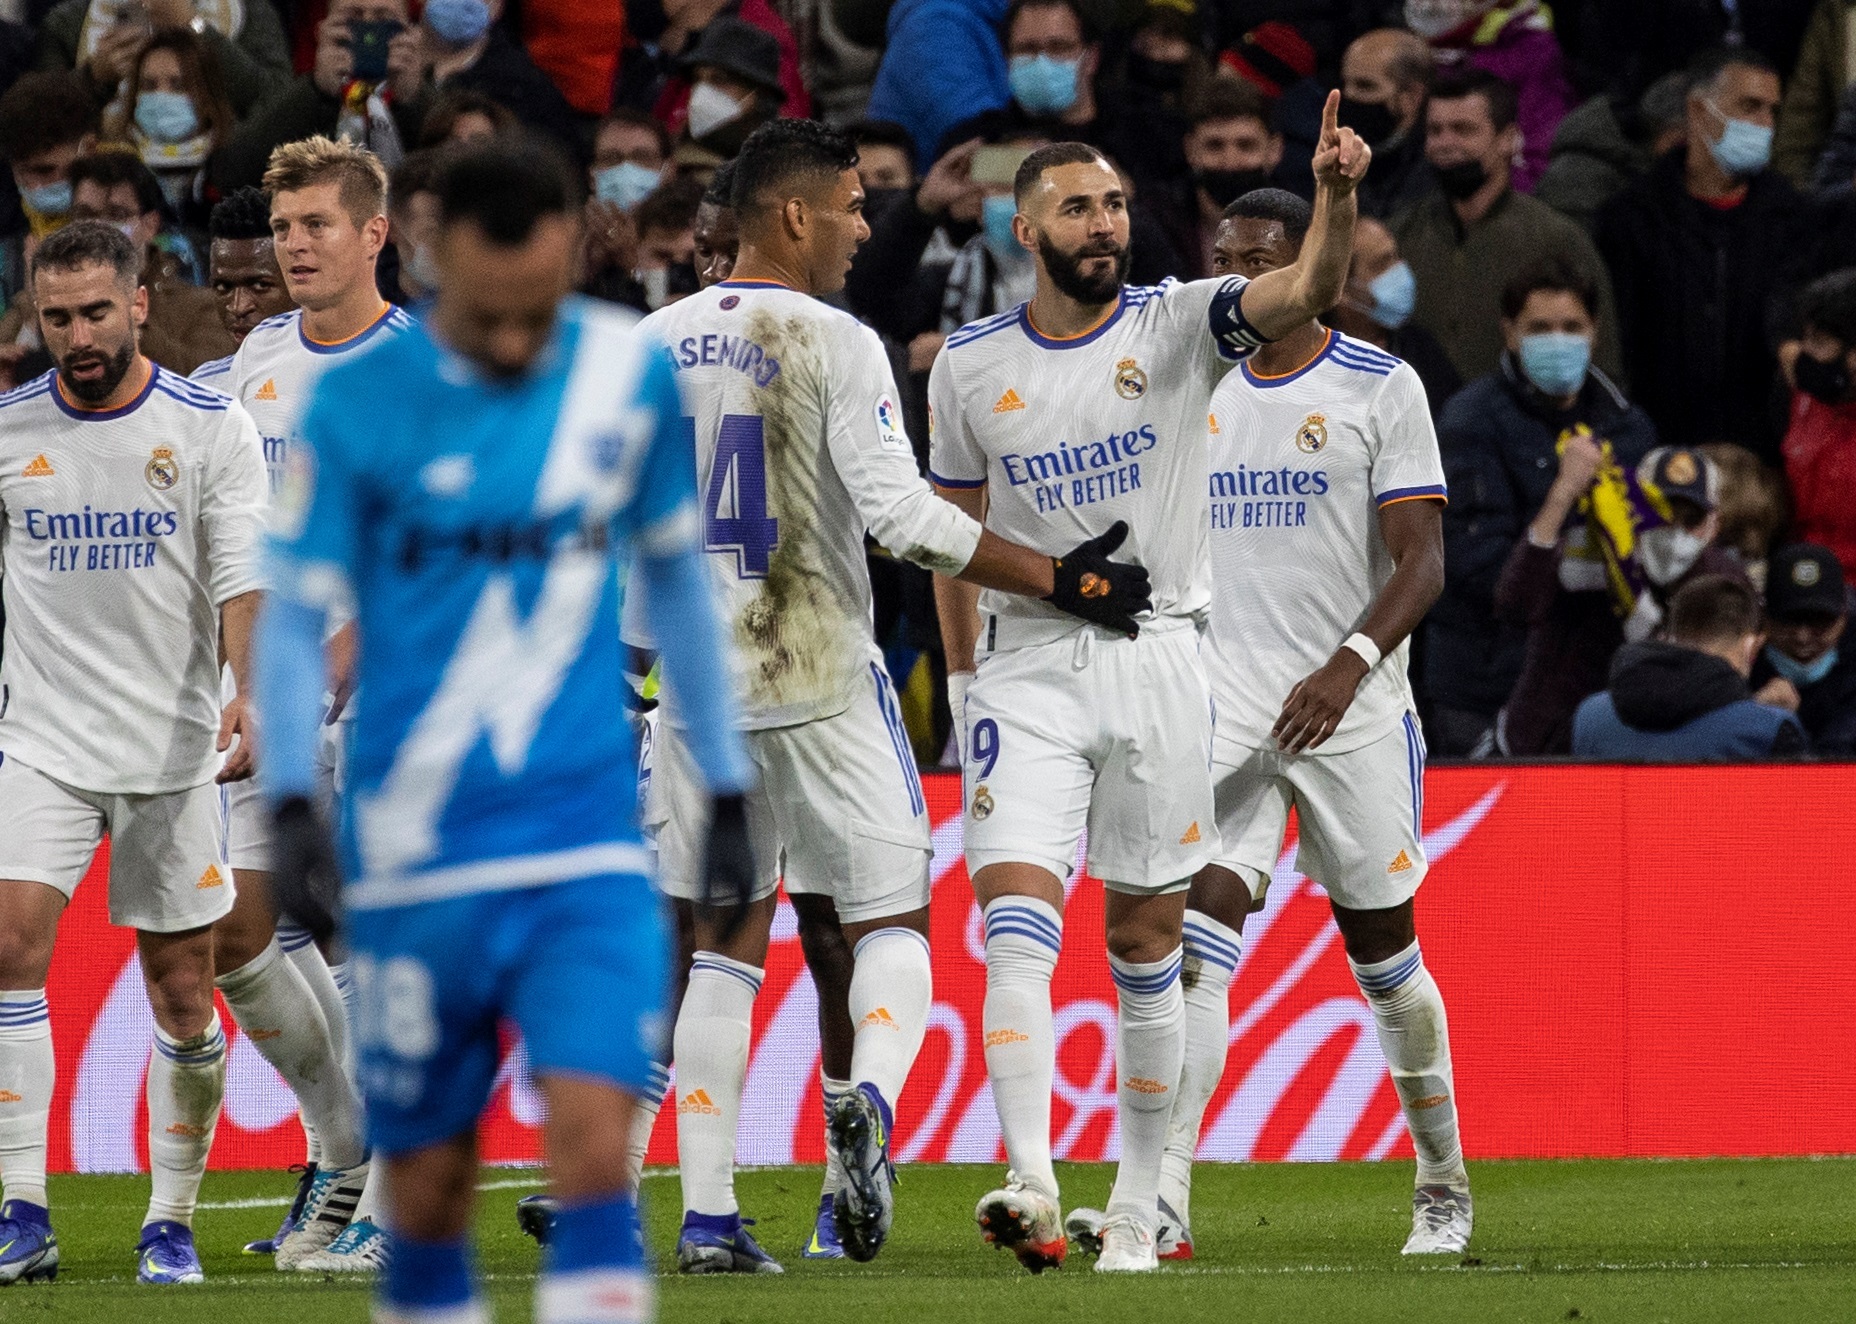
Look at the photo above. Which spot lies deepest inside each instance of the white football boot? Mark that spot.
(1026, 1222)
(1127, 1246)
(1441, 1219)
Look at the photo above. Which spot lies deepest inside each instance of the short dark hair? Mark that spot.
(44, 110)
(784, 155)
(415, 173)
(1294, 214)
(452, 105)
(1828, 304)
(88, 244)
(670, 206)
(883, 133)
(1555, 275)
(1049, 157)
(244, 213)
(1713, 608)
(1228, 99)
(721, 190)
(505, 186)
(107, 169)
(1498, 94)
(1711, 64)
(638, 119)
(1018, 7)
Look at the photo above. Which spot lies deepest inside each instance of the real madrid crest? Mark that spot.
(1313, 434)
(162, 470)
(982, 801)
(1805, 574)
(1130, 381)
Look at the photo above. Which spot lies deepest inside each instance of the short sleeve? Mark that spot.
(662, 514)
(955, 458)
(1406, 463)
(315, 512)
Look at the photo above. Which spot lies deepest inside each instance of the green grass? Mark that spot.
(1606, 1241)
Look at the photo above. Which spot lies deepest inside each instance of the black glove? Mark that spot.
(306, 879)
(728, 872)
(1104, 592)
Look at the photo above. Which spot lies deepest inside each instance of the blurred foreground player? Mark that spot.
(489, 828)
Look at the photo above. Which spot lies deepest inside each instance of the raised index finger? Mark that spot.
(1330, 118)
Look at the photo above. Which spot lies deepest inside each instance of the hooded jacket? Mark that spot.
(1671, 704)
(943, 65)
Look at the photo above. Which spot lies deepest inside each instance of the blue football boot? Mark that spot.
(165, 1255)
(721, 1243)
(28, 1250)
(824, 1244)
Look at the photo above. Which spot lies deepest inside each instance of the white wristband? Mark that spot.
(1366, 648)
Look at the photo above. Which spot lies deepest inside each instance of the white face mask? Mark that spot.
(710, 108)
(1667, 552)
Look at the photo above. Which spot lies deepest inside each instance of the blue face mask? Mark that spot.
(996, 215)
(1043, 86)
(624, 185)
(1801, 673)
(1556, 361)
(1743, 148)
(166, 117)
(48, 199)
(458, 22)
(1395, 293)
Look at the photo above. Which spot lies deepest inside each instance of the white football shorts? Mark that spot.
(838, 810)
(1359, 816)
(168, 868)
(1099, 732)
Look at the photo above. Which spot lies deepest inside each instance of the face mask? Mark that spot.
(48, 199)
(624, 185)
(1801, 673)
(422, 268)
(1743, 147)
(1666, 552)
(710, 109)
(1225, 187)
(457, 22)
(1043, 86)
(1395, 293)
(1556, 361)
(996, 215)
(166, 116)
(1372, 120)
(1432, 19)
(1161, 75)
(1461, 180)
(1829, 382)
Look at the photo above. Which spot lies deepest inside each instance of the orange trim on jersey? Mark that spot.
(1278, 376)
(1086, 331)
(1438, 497)
(148, 372)
(385, 309)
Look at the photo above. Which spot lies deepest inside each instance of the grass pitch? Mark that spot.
(1607, 1241)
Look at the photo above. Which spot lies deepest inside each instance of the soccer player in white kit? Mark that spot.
(1085, 406)
(800, 449)
(328, 224)
(1326, 527)
(131, 502)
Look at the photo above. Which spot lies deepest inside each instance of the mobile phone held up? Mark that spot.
(368, 42)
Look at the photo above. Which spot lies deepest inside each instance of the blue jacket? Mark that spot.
(944, 64)
(1670, 704)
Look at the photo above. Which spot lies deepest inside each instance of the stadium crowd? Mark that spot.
(1617, 242)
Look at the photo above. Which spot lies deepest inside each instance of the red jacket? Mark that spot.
(1820, 463)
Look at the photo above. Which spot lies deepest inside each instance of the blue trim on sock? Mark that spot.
(428, 1275)
(1388, 981)
(1156, 982)
(603, 1234)
(718, 967)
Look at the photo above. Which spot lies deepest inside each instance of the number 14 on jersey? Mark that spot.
(734, 508)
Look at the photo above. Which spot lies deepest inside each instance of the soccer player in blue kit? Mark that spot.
(490, 836)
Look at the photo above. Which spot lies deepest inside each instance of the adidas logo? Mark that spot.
(1213, 420)
(1192, 835)
(999, 1038)
(211, 878)
(1008, 402)
(39, 468)
(190, 1132)
(1142, 1085)
(1400, 865)
(7, 1096)
(268, 391)
(262, 1036)
(699, 1103)
(880, 1018)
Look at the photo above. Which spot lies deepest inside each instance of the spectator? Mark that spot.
(332, 102)
(1052, 57)
(654, 71)
(1826, 65)
(1807, 609)
(899, 275)
(242, 264)
(1515, 42)
(1602, 147)
(468, 51)
(630, 151)
(1698, 249)
(176, 112)
(1585, 593)
(885, 158)
(1385, 77)
(1686, 700)
(100, 40)
(734, 72)
(1470, 239)
(577, 45)
(1820, 445)
(718, 234)
(1753, 506)
(462, 116)
(943, 65)
(47, 121)
(412, 228)
(1498, 437)
(667, 242)
(1229, 150)
(1276, 59)
(1376, 307)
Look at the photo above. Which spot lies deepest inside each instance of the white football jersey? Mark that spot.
(1300, 467)
(1071, 435)
(799, 444)
(122, 533)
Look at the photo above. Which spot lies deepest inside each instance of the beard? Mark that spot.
(1066, 270)
(97, 389)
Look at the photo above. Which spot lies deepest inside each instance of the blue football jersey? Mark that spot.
(479, 526)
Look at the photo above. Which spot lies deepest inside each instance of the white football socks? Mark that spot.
(1414, 1034)
(27, 1077)
(1212, 951)
(1023, 938)
(892, 988)
(644, 1121)
(320, 976)
(830, 1091)
(711, 1052)
(186, 1081)
(606, 1295)
(1150, 1039)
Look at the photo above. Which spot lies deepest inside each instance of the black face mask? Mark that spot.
(877, 201)
(1160, 75)
(1829, 382)
(1225, 187)
(1461, 180)
(1372, 120)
